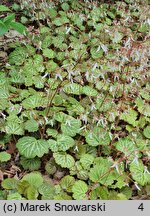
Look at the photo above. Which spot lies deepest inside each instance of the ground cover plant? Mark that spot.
(74, 101)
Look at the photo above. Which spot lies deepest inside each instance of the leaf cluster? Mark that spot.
(74, 104)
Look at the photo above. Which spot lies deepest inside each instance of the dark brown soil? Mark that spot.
(8, 2)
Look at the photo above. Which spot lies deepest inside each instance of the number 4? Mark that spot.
(141, 207)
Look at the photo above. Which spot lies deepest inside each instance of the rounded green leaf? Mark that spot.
(34, 179)
(46, 41)
(30, 163)
(18, 56)
(140, 173)
(52, 132)
(73, 88)
(47, 191)
(146, 132)
(4, 156)
(71, 127)
(31, 193)
(14, 109)
(79, 190)
(126, 146)
(51, 65)
(9, 183)
(102, 171)
(32, 102)
(99, 136)
(50, 167)
(64, 160)
(86, 160)
(57, 100)
(52, 12)
(96, 52)
(53, 145)
(15, 196)
(87, 90)
(60, 116)
(65, 6)
(83, 174)
(64, 142)
(99, 192)
(60, 20)
(4, 8)
(14, 128)
(31, 125)
(67, 182)
(30, 147)
(22, 186)
(49, 53)
(62, 196)
(130, 116)
(99, 174)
